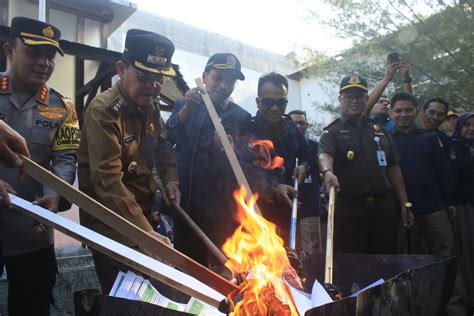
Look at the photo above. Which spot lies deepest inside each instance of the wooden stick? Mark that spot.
(209, 244)
(132, 258)
(128, 229)
(229, 151)
(328, 271)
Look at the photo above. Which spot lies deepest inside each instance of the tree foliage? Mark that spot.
(435, 37)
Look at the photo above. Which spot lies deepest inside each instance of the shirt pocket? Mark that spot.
(348, 147)
(42, 136)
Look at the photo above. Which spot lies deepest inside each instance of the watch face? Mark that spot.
(408, 204)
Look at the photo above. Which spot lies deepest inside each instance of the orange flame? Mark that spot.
(265, 160)
(255, 249)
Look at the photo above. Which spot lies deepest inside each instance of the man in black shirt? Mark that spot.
(425, 169)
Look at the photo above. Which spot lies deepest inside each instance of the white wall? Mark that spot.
(316, 92)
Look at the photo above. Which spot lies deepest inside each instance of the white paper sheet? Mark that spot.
(319, 296)
(378, 282)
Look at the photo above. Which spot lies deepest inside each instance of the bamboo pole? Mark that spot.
(229, 151)
(198, 231)
(328, 270)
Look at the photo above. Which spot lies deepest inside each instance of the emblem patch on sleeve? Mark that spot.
(68, 135)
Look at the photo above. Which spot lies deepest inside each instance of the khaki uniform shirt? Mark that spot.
(353, 147)
(48, 122)
(120, 144)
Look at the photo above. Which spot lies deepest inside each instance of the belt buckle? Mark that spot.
(370, 200)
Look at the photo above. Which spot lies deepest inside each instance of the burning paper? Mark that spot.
(263, 149)
(255, 247)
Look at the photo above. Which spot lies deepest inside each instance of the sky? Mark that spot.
(280, 26)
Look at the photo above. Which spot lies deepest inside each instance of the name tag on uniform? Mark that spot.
(381, 158)
(128, 139)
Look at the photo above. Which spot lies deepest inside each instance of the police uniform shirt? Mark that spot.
(48, 122)
(120, 144)
(353, 147)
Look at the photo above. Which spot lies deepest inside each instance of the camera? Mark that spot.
(393, 57)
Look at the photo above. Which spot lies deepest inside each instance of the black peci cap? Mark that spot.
(353, 81)
(227, 62)
(148, 51)
(33, 32)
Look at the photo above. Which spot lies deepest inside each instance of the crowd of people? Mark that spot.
(392, 174)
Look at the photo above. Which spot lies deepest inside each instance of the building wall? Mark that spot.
(195, 46)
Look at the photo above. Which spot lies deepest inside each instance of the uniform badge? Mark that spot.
(452, 154)
(354, 79)
(51, 115)
(3, 84)
(128, 139)
(231, 61)
(376, 127)
(48, 32)
(350, 155)
(150, 129)
(132, 166)
(42, 95)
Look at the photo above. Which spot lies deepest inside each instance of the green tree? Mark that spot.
(438, 46)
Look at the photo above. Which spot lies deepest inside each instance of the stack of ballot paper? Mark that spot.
(131, 286)
(134, 287)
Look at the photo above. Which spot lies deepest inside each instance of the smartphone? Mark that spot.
(393, 57)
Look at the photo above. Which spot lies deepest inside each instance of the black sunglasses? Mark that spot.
(145, 78)
(269, 102)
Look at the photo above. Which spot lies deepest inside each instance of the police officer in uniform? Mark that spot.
(48, 122)
(358, 158)
(123, 138)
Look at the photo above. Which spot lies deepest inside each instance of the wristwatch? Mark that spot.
(407, 204)
(407, 79)
(326, 170)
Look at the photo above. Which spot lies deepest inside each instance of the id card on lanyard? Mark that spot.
(382, 160)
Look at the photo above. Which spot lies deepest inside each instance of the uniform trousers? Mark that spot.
(310, 235)
(31, 278)
(366, 224)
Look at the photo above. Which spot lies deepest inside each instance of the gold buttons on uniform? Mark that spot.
(350, 155)
(132, 166)
(151, 128)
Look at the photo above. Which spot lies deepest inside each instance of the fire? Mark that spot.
(265, 160)
(257, 253)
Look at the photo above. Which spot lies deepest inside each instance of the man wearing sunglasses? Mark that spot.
(271, 123)
(358, 157)
(124, 138)
(206, 178)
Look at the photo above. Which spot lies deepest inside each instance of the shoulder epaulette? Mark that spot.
(332, 123)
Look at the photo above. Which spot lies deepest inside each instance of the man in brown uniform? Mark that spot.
(123, 138)
(358, 158)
